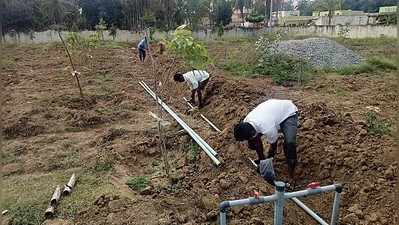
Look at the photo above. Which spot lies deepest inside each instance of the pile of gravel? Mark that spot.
(320, 52)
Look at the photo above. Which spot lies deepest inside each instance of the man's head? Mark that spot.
(244, 131)
(178, 77)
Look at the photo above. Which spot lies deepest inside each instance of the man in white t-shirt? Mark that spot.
(267, 119)
(197, 80)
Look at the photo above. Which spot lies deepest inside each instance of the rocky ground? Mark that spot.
(48, 132)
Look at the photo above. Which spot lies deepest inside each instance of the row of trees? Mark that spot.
(37, 15)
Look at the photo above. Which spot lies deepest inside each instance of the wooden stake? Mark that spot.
(74, 73)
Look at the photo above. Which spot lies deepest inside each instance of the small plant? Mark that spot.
(100, 28)
(376, 126)
(138, 183)
(194, 152)
(113, 31)
(220, 30)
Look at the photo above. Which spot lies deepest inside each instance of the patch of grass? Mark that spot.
(371, 42)
(138, 183)
(25, 214)
(357, 69)
(7, 63)
(238, 68)
(103, 166)
(382, 63)
(376, 126)
(27, 196)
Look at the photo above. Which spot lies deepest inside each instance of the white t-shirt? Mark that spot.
(267, 116)
(193, 78)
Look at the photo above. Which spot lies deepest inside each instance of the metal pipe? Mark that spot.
(208, 150)
(309, 211)
(309, 191)
(69, 186)
(56, 196)
(196, 137)
(336, 204)
(223, 218)
(203, 117)
(279, 203)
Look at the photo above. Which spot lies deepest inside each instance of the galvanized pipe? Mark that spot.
(208, 150)
(203, 117)
(309, 211)
(279, 203)
(309, 191)
(197, 138)
(336, 205)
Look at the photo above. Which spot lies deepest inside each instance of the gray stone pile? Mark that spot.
(320, 52)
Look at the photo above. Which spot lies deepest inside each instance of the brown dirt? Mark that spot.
(112, 124)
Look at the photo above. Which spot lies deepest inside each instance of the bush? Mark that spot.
(376, 126)
(138, 183)
(283, 68)
(382, 63)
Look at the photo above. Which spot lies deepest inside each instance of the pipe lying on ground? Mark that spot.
(69, 187)
(56, 196)
(194, 135)
(203, 117)
(309, 211)
(49, 213)
(207, 149)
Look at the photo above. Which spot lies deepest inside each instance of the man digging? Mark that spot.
(197, 80)
(268, 119)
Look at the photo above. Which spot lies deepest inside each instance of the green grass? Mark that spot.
(382, 63)
(237, 68)
(370, 42)
(371, 65)
(377, 126)
(27, 196)
(138, 183)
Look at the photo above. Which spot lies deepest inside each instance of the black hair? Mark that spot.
(178, 77)
(244, 131)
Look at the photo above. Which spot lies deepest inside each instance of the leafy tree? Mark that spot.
(223, 12)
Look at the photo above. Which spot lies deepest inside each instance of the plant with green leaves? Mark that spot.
(184, 45)
(377, 126)
(100, 28)
(138, 183)
(283, 69)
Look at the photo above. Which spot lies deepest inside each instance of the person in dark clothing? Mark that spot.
(143, 47)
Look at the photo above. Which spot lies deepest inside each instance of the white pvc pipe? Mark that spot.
(208, 150)
(197, 138)
(309, 211)
(310, 191)
(335, 210)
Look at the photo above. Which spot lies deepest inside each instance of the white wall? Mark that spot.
(127, 36)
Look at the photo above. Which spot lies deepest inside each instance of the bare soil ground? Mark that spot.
(48, 132)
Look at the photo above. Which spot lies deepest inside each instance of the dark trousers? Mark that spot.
(203, 84)
(289, 128)
(141, 54)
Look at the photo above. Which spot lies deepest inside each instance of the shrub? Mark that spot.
(283, 68)
(138, 183)
(376, 126)
(382, 63)
(239, 68)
